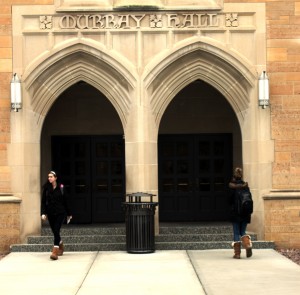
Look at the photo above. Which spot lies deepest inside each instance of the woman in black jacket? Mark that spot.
(54, 207)
(239, 221)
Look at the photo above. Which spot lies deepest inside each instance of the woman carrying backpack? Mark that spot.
(239, 220)
(54, 208)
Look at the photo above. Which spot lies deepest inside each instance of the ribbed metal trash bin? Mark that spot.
(139, 220)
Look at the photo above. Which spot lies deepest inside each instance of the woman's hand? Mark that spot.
(69, 219)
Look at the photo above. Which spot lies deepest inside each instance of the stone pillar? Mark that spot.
(141, 153)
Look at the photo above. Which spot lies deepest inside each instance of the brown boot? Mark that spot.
(237, 249)
(246, 242)
(61, 249)
(54, 253)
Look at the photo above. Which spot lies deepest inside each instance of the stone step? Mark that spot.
(90, 239)
(113, 238)
(122, 247)
(120, 230)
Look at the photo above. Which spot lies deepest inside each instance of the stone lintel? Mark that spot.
(9, 198)
(282, 195)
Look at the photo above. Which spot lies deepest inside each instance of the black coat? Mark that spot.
(54, 201)
(233, 202)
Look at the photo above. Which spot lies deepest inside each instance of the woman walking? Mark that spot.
(239, 220)
(54, 207)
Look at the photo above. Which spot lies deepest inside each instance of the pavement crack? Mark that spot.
(87, 273)
(199, 279)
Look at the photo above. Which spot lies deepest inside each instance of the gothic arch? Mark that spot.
(51, 74)
(195, 59)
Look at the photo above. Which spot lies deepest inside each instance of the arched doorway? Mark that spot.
(82, 140)
(199, 142)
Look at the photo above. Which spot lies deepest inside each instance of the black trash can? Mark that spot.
(139, 220)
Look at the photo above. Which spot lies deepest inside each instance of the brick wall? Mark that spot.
(9, 222)
(282, 219)
(5, 74)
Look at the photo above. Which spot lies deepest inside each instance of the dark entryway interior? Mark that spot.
(194, 171)
(93, 172)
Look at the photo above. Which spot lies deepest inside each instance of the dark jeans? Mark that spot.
(239, 230)
(56, 222)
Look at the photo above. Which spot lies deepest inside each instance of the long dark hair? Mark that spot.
(47, 184)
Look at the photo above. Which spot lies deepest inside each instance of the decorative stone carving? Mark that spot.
(231, 20)
(45, 22)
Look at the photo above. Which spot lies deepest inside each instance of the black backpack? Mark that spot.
(245, 202)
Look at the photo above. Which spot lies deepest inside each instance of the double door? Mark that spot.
(92, 169)
(194, 171)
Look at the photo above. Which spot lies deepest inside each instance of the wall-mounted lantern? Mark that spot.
(263, 90)
(15, 93)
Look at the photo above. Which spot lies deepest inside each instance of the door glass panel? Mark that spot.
(66, 168)
(183, 185)
(182, 149)
(116, 167)
(204, 148)
(116, 150)
(80, 150)
(219, 184)
(80, 168)
(65, 150)
(219, 148)
(102, 185)
(182, 167)
(168, 185)
(219, 165)
(116, 186)
(101, 149)
(204, 184)
(101, 168)
(80, 186)
(168, 167)
(168, 149)
(204, 166)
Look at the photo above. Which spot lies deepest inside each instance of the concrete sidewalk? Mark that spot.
(197, 272)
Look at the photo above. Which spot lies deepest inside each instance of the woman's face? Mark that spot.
(238, 174)
(51, 178)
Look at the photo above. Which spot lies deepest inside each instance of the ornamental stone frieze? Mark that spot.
(233, 27)
(189, 20)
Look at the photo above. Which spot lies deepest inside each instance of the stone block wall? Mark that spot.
(282, 218)
(9, 222)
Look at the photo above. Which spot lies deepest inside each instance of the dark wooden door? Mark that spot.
(194, 171)
(92, 169)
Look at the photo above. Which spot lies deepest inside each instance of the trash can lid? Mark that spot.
(140, 194)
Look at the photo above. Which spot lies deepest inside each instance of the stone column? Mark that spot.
(141, 152)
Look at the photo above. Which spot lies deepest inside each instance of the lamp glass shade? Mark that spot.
(263, 90)
(15, 92)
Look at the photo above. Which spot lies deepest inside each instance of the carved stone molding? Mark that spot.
(110, 5)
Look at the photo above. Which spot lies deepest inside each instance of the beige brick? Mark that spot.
(6, 65)
(297, 8)
(5, 53)
(283, 157)
(277, 54)
(5, 41)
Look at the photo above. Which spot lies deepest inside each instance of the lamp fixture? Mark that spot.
(263, 90)
(15, 93)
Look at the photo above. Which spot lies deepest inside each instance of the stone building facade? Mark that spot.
(157, 96)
